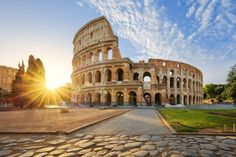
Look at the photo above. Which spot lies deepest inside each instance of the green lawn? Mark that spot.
(194, 120)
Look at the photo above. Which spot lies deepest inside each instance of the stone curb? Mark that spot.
(172, 130)
(95, 122)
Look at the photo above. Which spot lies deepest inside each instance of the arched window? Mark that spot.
(98, 76)
(132, 98)
(147, 77)
(108, 98)
(184, 83)
(136, 76)
(164, 81)
(120, 74)
(189, 84)
(171, 82)
(100, 56)
(83, 79)
(109, 53)
(178, 82)
(178, 99)
(89, 77)
(108, 75)
(120, 98)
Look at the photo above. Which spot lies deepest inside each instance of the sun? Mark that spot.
(52, 85)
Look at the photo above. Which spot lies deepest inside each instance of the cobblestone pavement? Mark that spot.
(117, 145)
(136, 122)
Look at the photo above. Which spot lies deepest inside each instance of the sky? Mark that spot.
(199, 32)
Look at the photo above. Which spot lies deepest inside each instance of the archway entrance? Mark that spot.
(158, 99)
(178, 99)
(120, 98)
(108, 99)
(185, 100)
(148, 99)
(132, 98)
(89, 99)
(172, 99)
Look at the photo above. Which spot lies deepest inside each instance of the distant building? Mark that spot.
(7, 75)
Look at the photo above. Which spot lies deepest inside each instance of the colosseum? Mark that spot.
(102, 77)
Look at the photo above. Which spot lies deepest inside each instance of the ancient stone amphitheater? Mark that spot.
(101, 76)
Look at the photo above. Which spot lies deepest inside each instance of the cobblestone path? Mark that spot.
(136, 122)
(117, 145)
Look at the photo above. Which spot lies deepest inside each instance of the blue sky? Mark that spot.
(199, 32)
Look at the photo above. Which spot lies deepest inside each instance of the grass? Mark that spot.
(195, 120)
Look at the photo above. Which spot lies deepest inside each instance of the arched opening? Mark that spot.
(90, 77)
(164, 81)
(172, 82)
(100, 55)
(82, 101)
(109, 53)
(178, 82)
(108, 75)
(185, 100)
(120, 74)
(83, 79)
(158, 99)
(89, 99)
(172, 72)
(148, 99)
(189, 84)
(184, 83)
(136, 76)
(98, 98)
(189, 100)
(178, 99)
(158, 80)
(98, 76)
(90, 56)
(132, 98)
(193, 85)
(147, 77)
(193, 100)
(172, 99)
(120, 98)
(108, 98)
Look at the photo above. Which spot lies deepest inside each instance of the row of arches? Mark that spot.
(90, 57)
(133, 99)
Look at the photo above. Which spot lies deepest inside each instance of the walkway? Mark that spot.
(136, 122)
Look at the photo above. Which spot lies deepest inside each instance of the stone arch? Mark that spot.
(178, 82)
(185, 100)
(120, 74)
(99, 55)
(108, 74)
(193, 85)
(97, 76)
(82, 98)
(189, 100)
(83, 79)
(97, 98)
(158, 99)
(89, 99)
(193, 100)
(132, 98)
(158, 79)
(172, 81)
(178, 99)
(136, 76)
(184, 83)
(172, 99)
(108, 98)
(120, 98)
(90, 77)
(147, 76)
(189, 84)
(148, 99)
(89, 57)
(109, 53)
(164, 81)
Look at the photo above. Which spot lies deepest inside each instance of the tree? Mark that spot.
(231, 85)
(210, 90)
(28, 88)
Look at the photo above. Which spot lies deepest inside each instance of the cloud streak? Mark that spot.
(146, 24)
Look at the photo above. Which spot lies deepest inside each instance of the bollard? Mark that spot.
(225, 129)
(234, 127)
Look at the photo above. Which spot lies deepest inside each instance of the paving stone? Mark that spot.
(27, 154)
(80, 142)
(161, 143)
(133, 145)
(86, 144)
(154, 152)
(79, 135)
(14, 155)
(72, 141)
(84, 151)
(102, 152)
(229, 141)
(73, 149)
(148, 147)
(57, 152)
(5, 152)
(124, 154)
(119, 148)
(88, 137)
(41, 154)
(209, 146)
(111, 154)
(57, 141)
(205, 152)
(64, 146)
(67, 155)
(134, 150)
(164, 154)
(111, 146)
(141, 153)
(46, 149)
(32, 147)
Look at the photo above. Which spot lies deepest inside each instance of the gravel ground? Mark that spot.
(135, 122)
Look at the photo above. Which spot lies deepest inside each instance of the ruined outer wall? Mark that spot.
(101, 76)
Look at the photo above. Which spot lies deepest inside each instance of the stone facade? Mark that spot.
(7, 75)
(101, 76)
